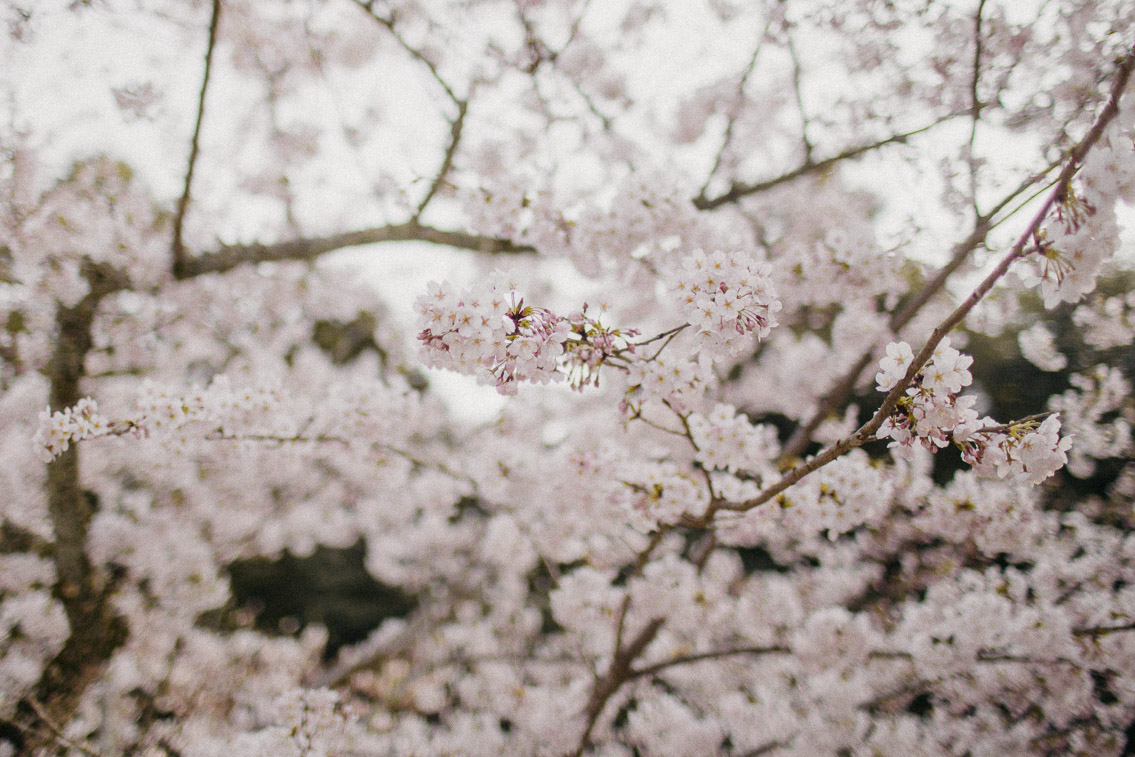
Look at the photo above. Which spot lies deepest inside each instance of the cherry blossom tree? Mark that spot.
(747, 493)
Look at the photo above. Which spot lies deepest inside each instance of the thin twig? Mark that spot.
(388, 22)
(731, 124)
(975, 108)
(797, 88)
(1097, 631)
(300, 438)
(716, 654)
(57, 731)
(740, 190)
(442, 175)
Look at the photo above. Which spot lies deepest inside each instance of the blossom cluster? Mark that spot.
(661, 565)
(1073, 251)
(662, 493)
(727, 297)
(1024, 451)
(33, 625)
(593, 234)
(932, 414)
(930, 410)
(593, 345)
(677, 383)
(73, 424)
(1107, 322)
(727, 440)
(1097, 412)
(1038, 346)
(490, 332)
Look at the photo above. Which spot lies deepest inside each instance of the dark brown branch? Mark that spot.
(740, 190)
(228, 257)
(54, 731)
(838, 394)
(1099, 631)
(194, 146)
(14, 538)
(618, 673)
(765, 748)
(1018, 250)
(95, 630)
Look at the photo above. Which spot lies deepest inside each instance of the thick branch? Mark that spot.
(95, 630)
(230, 256)
(194, 145)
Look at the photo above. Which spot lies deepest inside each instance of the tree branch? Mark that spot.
(797, 80)
(95, 630)
(731, 124)
(838, 394)
(739, 190)
(368, 7)
(975, 107)
(866, 433)
(658, 667)
(194, 146)
(228, 257)
(455, 129)
(617, 674)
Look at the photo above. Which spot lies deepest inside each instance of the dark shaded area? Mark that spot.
(10, 735)
(758, 560)
(331, 588)
(921, 705)
(345, 341)
(540, 586)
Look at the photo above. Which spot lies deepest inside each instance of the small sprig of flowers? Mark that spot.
(58, 430)
(1072, 249)
(491, 333)
(1030, 449)
(162, 411)
(932, 414)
